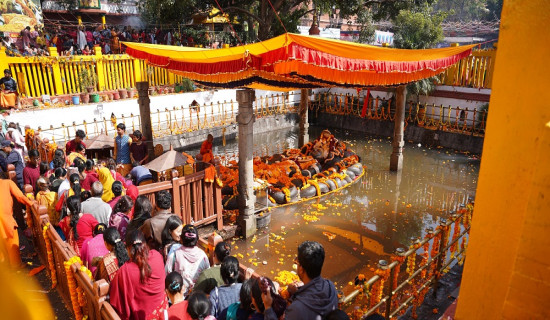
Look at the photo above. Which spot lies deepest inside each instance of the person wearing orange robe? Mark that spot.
(206, 150)
(8, 226)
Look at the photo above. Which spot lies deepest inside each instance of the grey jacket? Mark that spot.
(313, 301)
(97, 208)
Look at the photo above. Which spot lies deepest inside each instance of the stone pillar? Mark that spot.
(145, 115)
(303, 138)
(396, 158)
(246, 198)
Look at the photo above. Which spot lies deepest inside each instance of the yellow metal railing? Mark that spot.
(475, 71)
(447, 118)
(176, 120)
(57, 75)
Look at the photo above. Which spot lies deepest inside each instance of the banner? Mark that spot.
(15, 15)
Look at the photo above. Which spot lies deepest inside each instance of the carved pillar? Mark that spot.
(145, 115)
(396, 158)
(246, 199)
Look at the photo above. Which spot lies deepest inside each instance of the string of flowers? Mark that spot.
(49, 252)
(377, 288)
(71, 282)
(456, 232)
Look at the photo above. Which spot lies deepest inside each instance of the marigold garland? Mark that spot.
(377, 288)
(71, 282)
(49, 251)
(456, 233)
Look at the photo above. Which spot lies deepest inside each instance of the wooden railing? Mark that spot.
(475, 71)
(197, 202)
(59, 75)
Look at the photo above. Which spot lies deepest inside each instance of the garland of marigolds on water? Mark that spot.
(50, 255)
(76, 293)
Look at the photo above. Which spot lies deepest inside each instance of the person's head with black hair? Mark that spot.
(279, 304)
(172, 230)
(311, 256)
(89, 165)
(229, 270)
(99, 229)
(44, 168)
(198, 306)
(138, 135)
(117, 188)
(80, 148)
(121, 129)
(7, 73)
(58, 162)
(338, 314)
(124, 205)
(222, 250)
(189, 236)
(245, 296)
(175, 287)
(163, 200)
(85, 195)
(73, 204)
(60, 173)
(58, 153)
(138, 251)
(74, 180)
(114, 244)
(142, 211)
(79, 136)
(34, 157)
(374, 316)
(77, 162)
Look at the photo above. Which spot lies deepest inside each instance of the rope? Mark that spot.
(230, 24)
(275, 14)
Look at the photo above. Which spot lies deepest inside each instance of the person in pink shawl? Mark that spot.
(119, 218)
(94, 248)
(189, 260)
(138, 286)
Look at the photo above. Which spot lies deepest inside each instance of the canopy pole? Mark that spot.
(145, 115)
(396, 158)
(303, 138)
(246, 198)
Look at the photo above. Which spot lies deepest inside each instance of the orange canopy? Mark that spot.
(297, 61)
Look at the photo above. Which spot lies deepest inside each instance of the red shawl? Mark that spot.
(133, 299)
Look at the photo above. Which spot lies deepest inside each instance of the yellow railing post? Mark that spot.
(137, 70)
(56, 72)
(100, 68)
(3, 59)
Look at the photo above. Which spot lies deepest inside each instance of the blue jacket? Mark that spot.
(312, 301)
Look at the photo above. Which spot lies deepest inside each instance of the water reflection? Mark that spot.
(369, 219)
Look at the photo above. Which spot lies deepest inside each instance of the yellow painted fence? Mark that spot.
(474, 71)
(56, 75)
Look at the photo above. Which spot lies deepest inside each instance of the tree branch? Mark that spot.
(248, 13)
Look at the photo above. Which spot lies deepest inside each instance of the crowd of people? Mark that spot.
(152, 261)
(80, 40)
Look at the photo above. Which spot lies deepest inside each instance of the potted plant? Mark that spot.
(123, 93)
(131, 92)
(116, 95)
(109, 95)
(88, 81)
(151, 90)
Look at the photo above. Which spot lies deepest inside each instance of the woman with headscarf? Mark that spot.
(107, 181)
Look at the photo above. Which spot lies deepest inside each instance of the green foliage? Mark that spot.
(422, 87)
(418, 30)
(187, 85)
(87, 78)
(169, 11)
(366, 28)
(488, 10)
